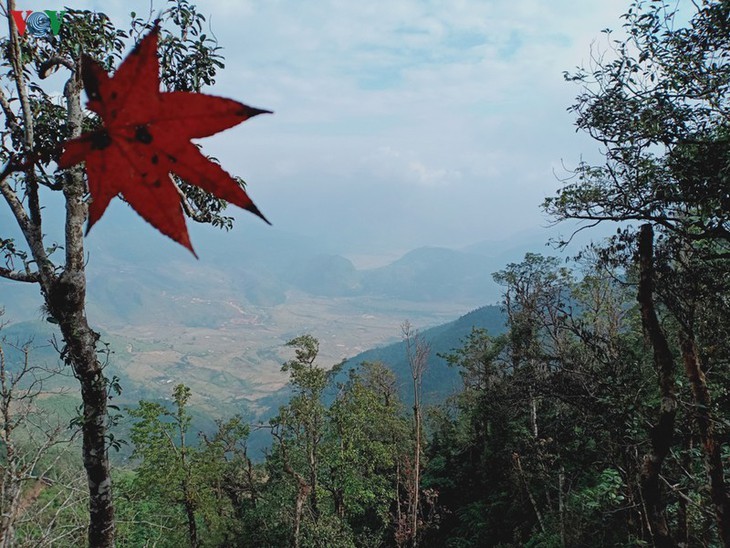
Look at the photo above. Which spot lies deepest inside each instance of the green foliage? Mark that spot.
(340, 460)
(657, 103)
(546, 417)
(541, 447)
(470, 456)
(199, 487)
(604, 494)
(366, 437)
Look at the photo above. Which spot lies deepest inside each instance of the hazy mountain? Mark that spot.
(325, 275)
(439, 380)
(427, 274)
(129, 283)
(434, 274)
(219, 324)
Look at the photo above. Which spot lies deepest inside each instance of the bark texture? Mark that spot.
(663, 431)
(713, 457)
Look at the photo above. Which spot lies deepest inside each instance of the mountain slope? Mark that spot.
(433, 274)
(439, 380)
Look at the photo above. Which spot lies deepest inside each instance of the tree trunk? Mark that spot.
(313, 479)
(10, 487)
(80, 352)
(417, 351)
(338, 491)
(65, 298)
(400, 528)
(416, 466)
(303, 490)
(192, 525)
(663, 431)
(533, 414)
(713, 457)
(251, 481)
(518, 466)
(10, 502)
(561, 504)
(188, 498)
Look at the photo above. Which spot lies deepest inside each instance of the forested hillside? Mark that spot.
(440, 380)
(591, 407)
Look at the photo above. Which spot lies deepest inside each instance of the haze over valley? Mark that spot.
(220, 324)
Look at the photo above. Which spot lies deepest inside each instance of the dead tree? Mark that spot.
(417, 351)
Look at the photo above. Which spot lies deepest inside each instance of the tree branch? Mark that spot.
(27, 277)
(28, 121)
(9, 114)
(50, 66)
(74, 187)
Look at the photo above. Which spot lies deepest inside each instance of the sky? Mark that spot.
(398, 123)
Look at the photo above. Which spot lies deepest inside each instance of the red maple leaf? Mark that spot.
(145, 136)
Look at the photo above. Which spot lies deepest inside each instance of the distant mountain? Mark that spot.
(440, 380)
(325, 275)
(426, 274)
(434, 274)
(131, 284)
(220, 323)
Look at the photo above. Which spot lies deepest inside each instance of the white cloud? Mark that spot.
(442, 119)
(405, 167)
